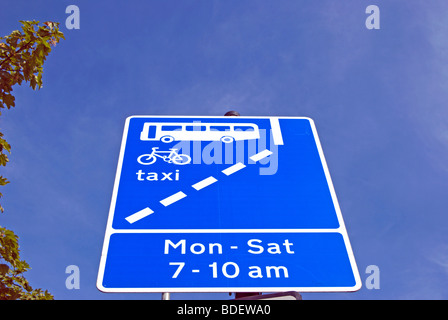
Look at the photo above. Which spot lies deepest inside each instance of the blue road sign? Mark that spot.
(224, 204)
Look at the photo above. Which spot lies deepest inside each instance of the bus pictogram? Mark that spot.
(177, 131)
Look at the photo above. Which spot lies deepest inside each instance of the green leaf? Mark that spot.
(3, 160)
(4, 145)
(3, 181)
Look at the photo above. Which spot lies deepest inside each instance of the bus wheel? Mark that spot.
(167, 139)
(227, 139)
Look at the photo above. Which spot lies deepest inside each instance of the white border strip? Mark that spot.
(276, 131)
(338, 230)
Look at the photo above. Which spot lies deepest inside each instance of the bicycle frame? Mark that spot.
(157, 153)
(170, 156)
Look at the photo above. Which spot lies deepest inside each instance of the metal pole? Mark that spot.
(239, 295)
(232, 113)
(165, 296)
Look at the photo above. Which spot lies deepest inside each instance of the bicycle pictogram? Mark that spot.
(170, 156)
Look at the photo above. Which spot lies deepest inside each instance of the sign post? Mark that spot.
(224, 204)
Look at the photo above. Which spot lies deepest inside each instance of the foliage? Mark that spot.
(12, 283)
(22, 55)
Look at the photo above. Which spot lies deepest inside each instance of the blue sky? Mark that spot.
(378, 98)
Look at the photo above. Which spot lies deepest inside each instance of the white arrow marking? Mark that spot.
(139, 215)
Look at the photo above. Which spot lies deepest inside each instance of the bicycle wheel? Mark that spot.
(146, 159)
(181, 159)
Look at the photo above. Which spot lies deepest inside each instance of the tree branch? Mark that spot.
(16, 52)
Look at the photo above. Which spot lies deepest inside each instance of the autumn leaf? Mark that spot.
(22, 55)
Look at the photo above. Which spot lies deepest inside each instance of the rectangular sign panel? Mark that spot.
(224, 204)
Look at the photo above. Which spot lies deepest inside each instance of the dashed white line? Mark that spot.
(233, 168)
(139, 215)
(204, 183)
(198, 186)
(260, 155)
(173, 198)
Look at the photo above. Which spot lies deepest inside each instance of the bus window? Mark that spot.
(151, 132)
(171, 128)
(219, 128)
(195, 128)
(243, 128)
